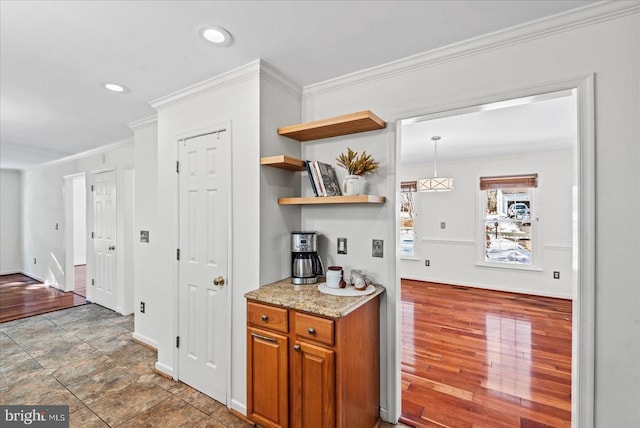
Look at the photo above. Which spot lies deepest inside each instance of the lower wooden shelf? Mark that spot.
(358, 199)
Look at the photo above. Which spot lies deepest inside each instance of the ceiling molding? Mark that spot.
(216, 83)
(279, 79)
(98, 150)
(565, 21)
(143, 122)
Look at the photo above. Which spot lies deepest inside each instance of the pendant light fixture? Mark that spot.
(435, 183)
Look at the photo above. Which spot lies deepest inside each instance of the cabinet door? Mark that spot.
(267, 379)
(313, 382)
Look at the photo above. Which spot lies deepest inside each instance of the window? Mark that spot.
(407, 216)
(507, 211)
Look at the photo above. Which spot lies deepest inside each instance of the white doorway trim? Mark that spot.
(69, 230)
(583, 320)
(178, 138)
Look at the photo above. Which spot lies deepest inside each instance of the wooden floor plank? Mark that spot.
(474, 358)
(22, 296)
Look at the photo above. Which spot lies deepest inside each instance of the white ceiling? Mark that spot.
(54, 54)
(542, 123)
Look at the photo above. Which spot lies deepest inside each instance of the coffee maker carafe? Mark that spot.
(306, 264)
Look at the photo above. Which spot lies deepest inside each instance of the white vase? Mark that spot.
(353, 185)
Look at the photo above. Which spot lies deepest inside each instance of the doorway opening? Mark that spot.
(449, 243)
(76, 234)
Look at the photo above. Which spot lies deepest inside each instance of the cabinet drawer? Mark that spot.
(267, 317)
(314, 328)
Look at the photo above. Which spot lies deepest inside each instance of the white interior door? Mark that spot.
(104, 239)
(204, 225)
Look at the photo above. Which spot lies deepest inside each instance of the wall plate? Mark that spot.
(377, 248)
(342, 245)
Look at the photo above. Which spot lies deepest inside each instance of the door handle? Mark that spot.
(112, 247)
(218, 281)
(261, 337)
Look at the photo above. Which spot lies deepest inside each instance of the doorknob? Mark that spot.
(218, 281)
(112, 247)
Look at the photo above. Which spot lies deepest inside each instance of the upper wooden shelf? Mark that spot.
(359, 199)
(283, 162)
(352, 123)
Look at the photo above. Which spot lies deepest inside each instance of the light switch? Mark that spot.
(443, 225)
(342, 245)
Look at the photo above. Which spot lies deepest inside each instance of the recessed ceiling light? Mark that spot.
(216, 35)
(114, 87)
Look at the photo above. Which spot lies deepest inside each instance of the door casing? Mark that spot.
(583, 320)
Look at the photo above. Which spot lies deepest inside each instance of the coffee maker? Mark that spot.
(306, 264)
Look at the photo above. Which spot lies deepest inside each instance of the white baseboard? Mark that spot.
(165, 369)
(146, 340)
(239, 407)
(384, 415)
(32, 275)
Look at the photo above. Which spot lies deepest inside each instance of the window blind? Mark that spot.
(508, 182)
(409, 186)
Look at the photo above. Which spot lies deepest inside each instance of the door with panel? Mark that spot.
(267, 372)
(203, 263)
(103, 287)
(313, 382)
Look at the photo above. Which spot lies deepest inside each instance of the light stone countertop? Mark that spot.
(309, 299)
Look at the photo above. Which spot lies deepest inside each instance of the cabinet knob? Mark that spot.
(311, 330)
(296, 348)
(264, 318)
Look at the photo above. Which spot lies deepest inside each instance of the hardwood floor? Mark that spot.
(481, 358)
(22, 296)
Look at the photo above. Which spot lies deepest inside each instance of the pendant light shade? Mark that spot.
(435, 183)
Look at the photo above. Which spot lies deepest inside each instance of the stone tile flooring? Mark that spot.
(84, 357)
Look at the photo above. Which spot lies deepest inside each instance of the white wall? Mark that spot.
(608, 47)
(279, 106)
(10, 222)
(79, 221)
(231, 99)
(43, 205)
(452, 252)
(146, 280)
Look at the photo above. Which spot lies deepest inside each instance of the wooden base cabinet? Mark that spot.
(308, 371)
(268, 366)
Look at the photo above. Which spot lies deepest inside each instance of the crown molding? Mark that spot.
(275, 76)
(216, 83)
(98, 150)
(143, 122)
(570, 20)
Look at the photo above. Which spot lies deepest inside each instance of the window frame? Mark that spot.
(535, 235)
(409, 187)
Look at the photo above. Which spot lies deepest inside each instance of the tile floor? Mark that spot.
(84, 357)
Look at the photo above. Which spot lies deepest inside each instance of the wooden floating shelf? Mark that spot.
(359, 199)
(340, 125)
(283, 162)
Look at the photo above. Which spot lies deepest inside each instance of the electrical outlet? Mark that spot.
(427, 263)
(142, 307)
(342, 245)
(377, 248)
(56, 226)
(556, 274)
(34, 260)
